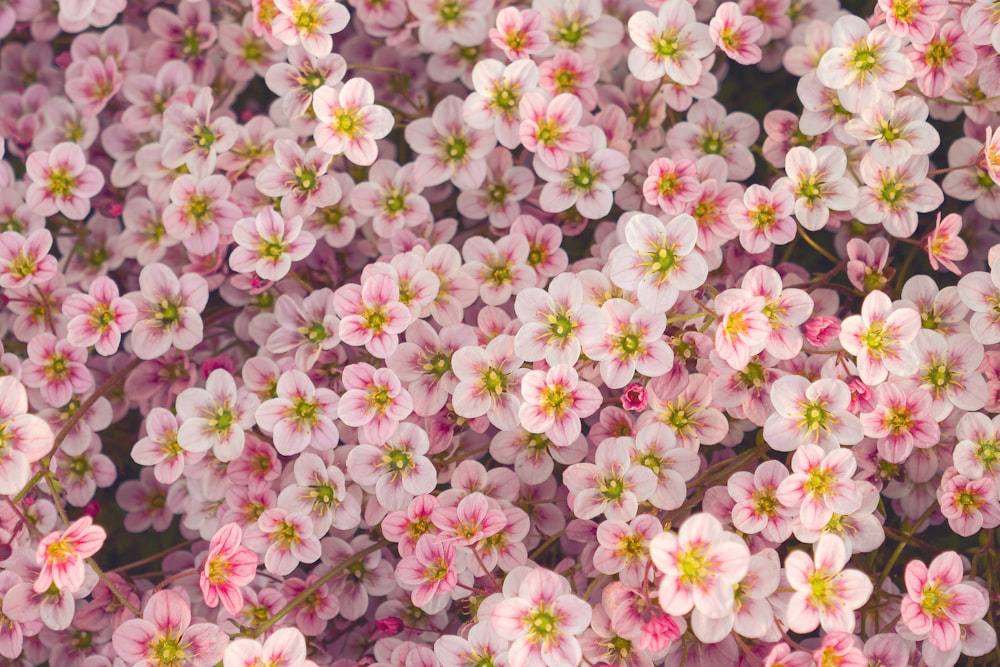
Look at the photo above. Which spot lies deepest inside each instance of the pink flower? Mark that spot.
(551, 128)
(743, 328)
(937, 601)
(285, 538)
(285, 647)
(449, 149)
(375, 401)
(821, 331)
(26, 437)
(763, 218)
(372, 315)
(880, 338)
(488, 379)
(631, 341)
(901, 421)
(56, 368)
(554, 403)
(820, 485)
(26, 261)
(495, 103)
(300, 416)
(227, 568)
(200, 213)
(944, 245)
(541, 618)
(519, 33)
(431, 573)
(309, 22)
(308, 326)
(811, 413)
(587, 182)
(300, 178)
(476, 517)
(825, 594)
(164, 636)
(757, 508)
(349, 120)
(192, 138)
(268, 244)
(61, 181)
(613, 485)
(634, 397)
(673, 185)
(817, 180)
(100, 317)
(969, 505)
(700, 565)
(670, 43)
(736, 34)
(397, 468)
(893, 196)
(215, 417)
(160, 448)
(62, 555)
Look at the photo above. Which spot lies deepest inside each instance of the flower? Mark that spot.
(286, 647)
(880, 337)
(268, 244)
(62, 555)
(164, 636)
(227, 568)
(431, 573)
(811, 413)
(300, 415)
(100, 317)
(215, 417)
(825, 593)
(820, 485)
(349, 120)
(670, 42)
(168, 311)
(310, 23)
(944, 246)
(61, 182)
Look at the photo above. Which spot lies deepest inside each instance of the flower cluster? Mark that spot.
(460, 333)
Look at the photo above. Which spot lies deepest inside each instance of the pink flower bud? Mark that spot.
(634, 397)
(862, 396)
(64, 59)
(222, 361)
(389, 625)
(658, 633)
(92, 509)
(821, 331)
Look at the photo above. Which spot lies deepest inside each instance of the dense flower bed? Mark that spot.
(453, 333)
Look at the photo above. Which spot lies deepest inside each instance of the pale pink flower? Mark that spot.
(623, 548)
(374, 401)
(944, 245)
(61, 181)
(285, 538)
(300, 178)
(164, 636)
(499, 199)
(488, 379)
(743, 329)
(817, 180)
(215, 417)
(880, 338)
(24, 438)
(200, 212)
(756, 507)
(901, 420)
(430, 573)
(893, 196)
(943, 59)
(700, 565)
(159, 448)
(555, 402)
(309, 326)
(310, 23)
(897, 128)
(300, 416)
(811, 413)
(321, 492)
(916, 21)
(500, 267)
(476, 517)
(26, 261)
(977, 453)
(820, 485)
(825, 593)
(371, 314)
(655, 446)
(969, 505)
(424, 363)
(670, 42)
(285, 647)
(550, 128)
(937, 603)
(56, 368)
(228, 567)
(443, 24)
(300, 75)
(736, 34)
(519, 33)
(268, 244)
(448, 148)
(613, 485)
(100, 317)
(630, 342)
(349, 120)
(588, 181)
(866, 263)
(711, 130)
(192, 138)
(671, 184)
(541, 618)
(62, 555)
(763, 218)
(93, 84)
(397, 468)
(495, 102)
(658, 260)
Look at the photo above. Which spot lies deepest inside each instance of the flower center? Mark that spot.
(61, 183)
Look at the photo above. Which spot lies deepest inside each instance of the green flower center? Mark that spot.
(61, 183)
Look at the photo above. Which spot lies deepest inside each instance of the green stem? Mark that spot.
(817, 247)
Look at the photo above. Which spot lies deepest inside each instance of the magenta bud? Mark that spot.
(634, 397)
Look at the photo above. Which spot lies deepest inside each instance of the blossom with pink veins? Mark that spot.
(26, 261)
(813, 413)
(499, 199)
(613, 485)
(623, 548)
(736, 34)
(554, 321)
(944, 245)
(285, 647)
(588, 181)
(268, 244)
(880, 338)
(671, 184)
(555, 402)
(752, 615)
(159, 447)
(756, 508)
(863, 63)
(192, 138)
(447, 148)
(658, 260)
(62, 555)
(541, 618)
(937, 603)
(893, 196)
(482, 642)
(518, 33)
(495, 102)
(570, 72)
(632, 341)
(743, 329)
(945, 58)
(57, 368)
(700, 566)
(300, 415)
(655, 447)
(550, 127)
(685, 404)
(100, 317)
(914, 21)
(309, 23)
(423, 361)
(825, 594)
(432, 573)
(215, 417)
(820, 485)
(949, 370)
(970, 505)
(308, 326)
(901, 420)
(299, 178)
(897, 129)
(350, 122)
(977, 453)
(228, 567)
(818, 182)
(61, 181)
(94, 84)
(373, 401)
(501, 268)
(285, 538)
(200, 212)
(763, 218)
(296, 79)
(488, 381)
(709, 130)
(669, 43)
(165, 636)
(476, 517)
(371, 314)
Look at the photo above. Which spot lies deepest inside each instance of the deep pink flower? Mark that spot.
(227, 569)
(100, 317)
(62, 555)
(554, 403)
